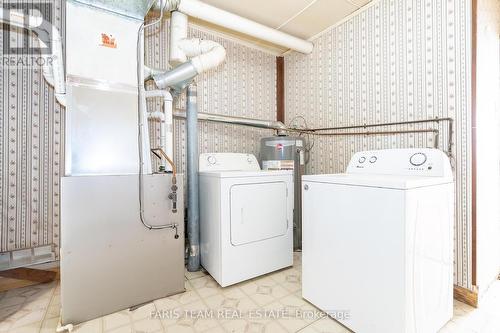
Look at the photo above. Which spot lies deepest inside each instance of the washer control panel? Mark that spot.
(228, 162)
(418, 159)
(412, 161)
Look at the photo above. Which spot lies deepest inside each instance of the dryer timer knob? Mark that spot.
(211, 160)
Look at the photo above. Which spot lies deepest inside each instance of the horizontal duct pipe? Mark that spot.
(269, 124)
(211, 14)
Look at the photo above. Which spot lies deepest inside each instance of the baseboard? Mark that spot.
(23, 277)
(465, 295)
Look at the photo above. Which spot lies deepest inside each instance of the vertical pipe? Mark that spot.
(178, 32)
(193, 224)
(163, 144)
(169, 124)
(280, 89)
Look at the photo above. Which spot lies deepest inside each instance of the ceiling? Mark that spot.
(301, 18)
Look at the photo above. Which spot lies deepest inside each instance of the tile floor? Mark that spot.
(36, 309)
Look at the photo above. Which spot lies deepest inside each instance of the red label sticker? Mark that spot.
(108, 41)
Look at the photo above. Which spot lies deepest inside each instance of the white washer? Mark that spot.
(378, 241)
(245, 217)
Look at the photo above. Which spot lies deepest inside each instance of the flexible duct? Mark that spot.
(178, 32)
(193, 225)
(53, 73)
(237, 23)
(206, 54)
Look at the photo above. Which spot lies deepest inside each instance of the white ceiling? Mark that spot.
(302, 18)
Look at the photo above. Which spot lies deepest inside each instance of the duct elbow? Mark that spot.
(61, 98)
(167, 5)
(206, 54)
(209, 60)
(57, 73)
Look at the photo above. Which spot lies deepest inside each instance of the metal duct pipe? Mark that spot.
(193, 223)
(237, 23)
(270, 124)
(177, 77)
(149, 72)
(206, 55)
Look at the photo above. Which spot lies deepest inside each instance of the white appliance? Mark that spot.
(246, 217)
(378, 241)
(110, 261)
(101, 125)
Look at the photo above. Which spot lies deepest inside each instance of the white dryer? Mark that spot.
(378, 241)
(246, 217)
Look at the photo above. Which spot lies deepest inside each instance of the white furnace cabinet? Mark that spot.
(109, 260)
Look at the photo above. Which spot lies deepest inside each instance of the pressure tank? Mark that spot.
(287, 153)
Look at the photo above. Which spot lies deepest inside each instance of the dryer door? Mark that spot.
(258, 212)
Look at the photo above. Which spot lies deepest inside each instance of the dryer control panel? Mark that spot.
(412, 161)
(228, 162)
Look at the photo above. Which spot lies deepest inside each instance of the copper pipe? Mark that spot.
(409, 122)
(165, 156)
(365, 133)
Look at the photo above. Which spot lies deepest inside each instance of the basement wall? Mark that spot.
(393, 61)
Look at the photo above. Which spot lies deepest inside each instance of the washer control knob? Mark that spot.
(418, 159)
(249, 160)
(362, 159)
(373, 159)
(211, 160)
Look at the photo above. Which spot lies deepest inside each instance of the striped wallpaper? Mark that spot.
(397, 60)
(31, 151)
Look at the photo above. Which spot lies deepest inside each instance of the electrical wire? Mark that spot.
(140, 61)
(310, 141)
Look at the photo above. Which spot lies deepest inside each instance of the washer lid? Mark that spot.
(245, 174)
(383, 181)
